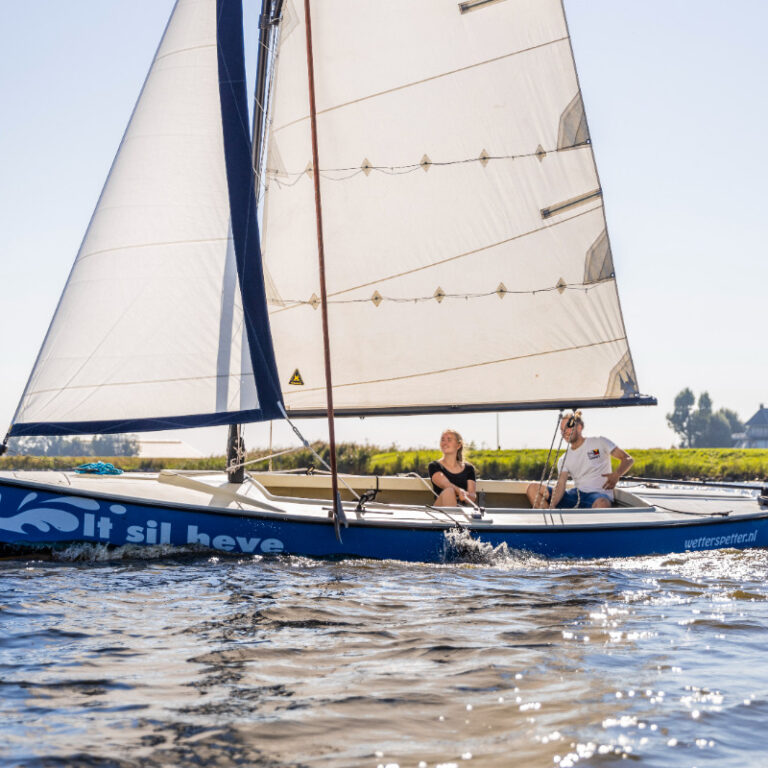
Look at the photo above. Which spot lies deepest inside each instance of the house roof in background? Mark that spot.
(760, 419)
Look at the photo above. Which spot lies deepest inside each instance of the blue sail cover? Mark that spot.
(163, 321)
(242, 201)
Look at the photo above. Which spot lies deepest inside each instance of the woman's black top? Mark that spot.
(459, 479)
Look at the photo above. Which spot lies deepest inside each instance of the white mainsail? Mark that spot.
(149, 332)
(467, 259)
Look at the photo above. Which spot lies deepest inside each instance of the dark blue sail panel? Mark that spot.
(242, 199)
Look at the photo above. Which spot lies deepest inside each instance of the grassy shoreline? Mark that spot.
(682, 464)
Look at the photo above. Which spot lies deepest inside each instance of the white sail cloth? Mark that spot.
(150, 324)
(466, 254)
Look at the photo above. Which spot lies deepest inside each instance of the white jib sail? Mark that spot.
(150, 324)
(465, 238)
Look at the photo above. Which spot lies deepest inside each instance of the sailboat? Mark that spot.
(432, 240)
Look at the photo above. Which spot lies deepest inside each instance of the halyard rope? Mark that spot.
(306, 444)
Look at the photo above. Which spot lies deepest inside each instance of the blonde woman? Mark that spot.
(453, 479)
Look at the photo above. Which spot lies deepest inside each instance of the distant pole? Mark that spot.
(498, 441)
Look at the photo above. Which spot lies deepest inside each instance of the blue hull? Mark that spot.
(32, 517)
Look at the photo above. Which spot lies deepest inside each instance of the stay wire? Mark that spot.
(552, 470)
(263, 458)
(306, 444)
(551, 445)
(552, 496)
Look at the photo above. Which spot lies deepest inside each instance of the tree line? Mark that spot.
(528, 464)
(698, 426)
(58, 445)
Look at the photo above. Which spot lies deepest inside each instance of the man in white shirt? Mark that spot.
(588, 461)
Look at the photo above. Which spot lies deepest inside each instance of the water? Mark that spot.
(113, 660)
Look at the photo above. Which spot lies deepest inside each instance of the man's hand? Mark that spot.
(610, 480)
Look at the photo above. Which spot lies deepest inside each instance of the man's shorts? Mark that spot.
(573, 498)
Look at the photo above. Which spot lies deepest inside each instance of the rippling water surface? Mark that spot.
(113, 660)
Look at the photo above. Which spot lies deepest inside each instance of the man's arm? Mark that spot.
(625, 464)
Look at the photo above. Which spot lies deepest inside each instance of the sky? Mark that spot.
(675, 98)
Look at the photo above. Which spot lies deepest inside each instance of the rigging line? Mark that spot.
(552, 471)
(281, 184)
(441, 510)
(474, 251)
(430, 511)
(724, 513)
(342, 178)
(307, 445)
(267, 129)
(435, 493)
(551, 446)
(271, 49)
(264, 458)
(396, 172)
(284, 185)
(425, 80)
(425, 483)
(432, 163)
(470, 366)
(583, 287)
(297, 179)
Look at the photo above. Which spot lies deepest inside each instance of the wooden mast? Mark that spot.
(337, 510)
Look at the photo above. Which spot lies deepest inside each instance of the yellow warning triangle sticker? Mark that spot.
(296, 378)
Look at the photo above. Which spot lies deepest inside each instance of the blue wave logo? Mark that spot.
(45, 518)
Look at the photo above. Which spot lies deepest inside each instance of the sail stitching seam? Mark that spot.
(184, 50)
(153, 245)
(469, 253)
(457, 256)
(104, 385)
(425, 80)
(473, 365)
